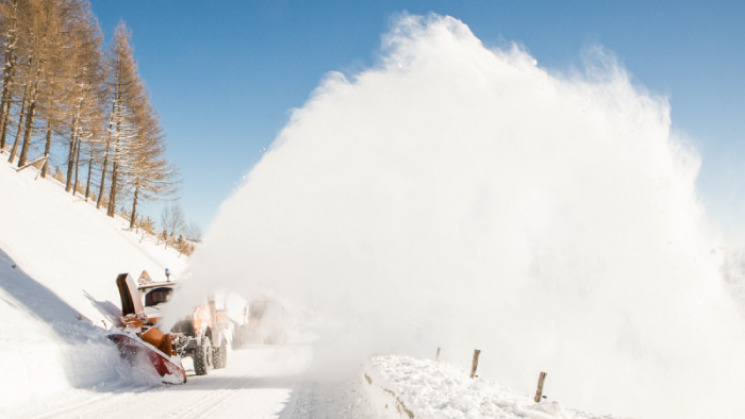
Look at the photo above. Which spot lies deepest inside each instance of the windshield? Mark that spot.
(158, 296)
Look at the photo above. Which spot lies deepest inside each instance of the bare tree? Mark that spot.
(42, 40)
(172, 220)
(149, 175)
(193, 231)
(128, 96)
(38, 61)
(97, 129)
(19, 132)
(60, 93)
(19, 18)
(9, 26)
(86, 92)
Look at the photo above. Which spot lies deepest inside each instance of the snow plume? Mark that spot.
(460, 197)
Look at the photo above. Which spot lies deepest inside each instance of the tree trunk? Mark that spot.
(27, 134)
(10, 61)
(48, 142)
(88, 182)
(71, 158)
(108, 145)
(114, 170)
(77, 164)
(73, 143)
(114, 166)
(28, 130)
(103, 175)
(4, 114)
(30, 119)
(112, 191)
(5, 106)
(134, 210)
(20, 127)
(47, 147)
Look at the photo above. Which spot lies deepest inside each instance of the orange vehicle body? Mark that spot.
(201, 335)
(136, 335)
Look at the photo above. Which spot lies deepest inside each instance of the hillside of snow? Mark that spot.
(53, 248)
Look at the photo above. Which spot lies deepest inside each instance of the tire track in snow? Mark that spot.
(259, 382)
(79, 402)
(67, 410)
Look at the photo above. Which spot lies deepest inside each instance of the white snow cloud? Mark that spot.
(462, 197)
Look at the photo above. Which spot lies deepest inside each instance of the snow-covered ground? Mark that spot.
(420, 388)
(57, 361)
(260, 382)
(53, 248)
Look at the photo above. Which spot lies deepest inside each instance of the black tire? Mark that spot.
(220, 355)
(203, 357)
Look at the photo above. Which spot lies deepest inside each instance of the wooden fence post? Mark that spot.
(539, 390)
(475, 363)
(437, 356)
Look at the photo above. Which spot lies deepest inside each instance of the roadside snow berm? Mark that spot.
(407, 387)
(139, 341)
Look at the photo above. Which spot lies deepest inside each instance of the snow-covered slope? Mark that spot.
(53, 247)
(66, 243)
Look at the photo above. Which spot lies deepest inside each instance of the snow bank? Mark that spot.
(417, 388)
(54, 246)
(45, 347)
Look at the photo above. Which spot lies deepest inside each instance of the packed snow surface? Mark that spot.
(261, 382)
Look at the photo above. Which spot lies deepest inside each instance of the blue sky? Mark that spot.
(224, 75)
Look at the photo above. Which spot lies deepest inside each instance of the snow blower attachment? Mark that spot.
(139, 341)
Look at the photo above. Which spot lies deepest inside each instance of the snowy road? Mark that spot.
(259, 382)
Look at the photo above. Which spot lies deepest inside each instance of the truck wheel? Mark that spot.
(220, 355)
(203, 357)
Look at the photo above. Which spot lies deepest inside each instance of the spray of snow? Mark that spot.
(460, 197)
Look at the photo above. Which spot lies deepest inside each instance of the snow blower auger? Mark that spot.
(139, 341)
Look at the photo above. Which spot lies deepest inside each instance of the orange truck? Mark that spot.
(137, 337)
(203, 335)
